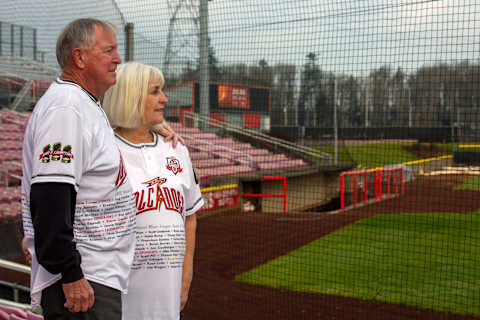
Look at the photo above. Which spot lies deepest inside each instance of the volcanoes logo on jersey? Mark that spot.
(173, 165)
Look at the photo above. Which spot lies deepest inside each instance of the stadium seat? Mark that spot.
(257, 152)
(225, 170)
(12, 135)
(200, 155)
(9, 155)
(5, 127)
(242, 146)
(269, 158)
(207, 163)
(225, 142)
(204, 136)
(282, 164)
(19, 314)
(184, 130)
(10, 194)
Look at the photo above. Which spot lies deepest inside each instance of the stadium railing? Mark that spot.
(5, 264)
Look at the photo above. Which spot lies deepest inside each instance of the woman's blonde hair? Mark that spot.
(124, 102)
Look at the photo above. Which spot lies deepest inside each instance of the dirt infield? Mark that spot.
(230, 244)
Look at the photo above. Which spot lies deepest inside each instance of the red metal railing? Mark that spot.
(396, 174)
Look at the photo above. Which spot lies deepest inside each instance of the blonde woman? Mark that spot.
(167, 195)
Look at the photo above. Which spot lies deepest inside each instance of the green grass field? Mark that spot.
(374, 155)
(427, 261)
(471, 184)
(371, 155)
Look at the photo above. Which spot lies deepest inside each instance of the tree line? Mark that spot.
(440, 95)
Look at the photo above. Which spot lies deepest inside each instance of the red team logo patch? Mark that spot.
(173, 165)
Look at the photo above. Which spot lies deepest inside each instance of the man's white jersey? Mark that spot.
(68, 139)
(166, 191)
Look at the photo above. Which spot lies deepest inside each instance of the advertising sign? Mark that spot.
(233, 97)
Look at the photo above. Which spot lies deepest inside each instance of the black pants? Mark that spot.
(107, 306)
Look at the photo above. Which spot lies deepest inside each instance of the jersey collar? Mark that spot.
(68, 82)
(140, 145)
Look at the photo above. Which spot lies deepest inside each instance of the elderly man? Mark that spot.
(78, 206)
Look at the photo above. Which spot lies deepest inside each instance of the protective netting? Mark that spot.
(338, 153)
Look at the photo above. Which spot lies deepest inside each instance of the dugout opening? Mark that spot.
(251, 203)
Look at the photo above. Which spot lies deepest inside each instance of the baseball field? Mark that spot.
(411, 257)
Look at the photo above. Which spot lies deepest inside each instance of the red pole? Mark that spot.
(395, 182)
(342, 190)
(402, 180)
(354, 185)
(389, 176)
(365, 187)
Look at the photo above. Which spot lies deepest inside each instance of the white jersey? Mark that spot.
(68, 139)
(166, 191)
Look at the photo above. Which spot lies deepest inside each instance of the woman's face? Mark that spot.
(155, 104)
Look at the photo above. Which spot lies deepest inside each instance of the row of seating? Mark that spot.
(10, 313)
(10, 144)
(11, 117)
(10, 211)
(10, 127)
(11, 155)
(10, 194)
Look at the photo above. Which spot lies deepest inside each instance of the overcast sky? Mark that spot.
(351, 36)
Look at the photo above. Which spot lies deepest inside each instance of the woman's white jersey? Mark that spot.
(166, 191)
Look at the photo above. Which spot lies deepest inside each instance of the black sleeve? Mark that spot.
(52, 206)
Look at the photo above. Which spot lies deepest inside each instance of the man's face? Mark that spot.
(102, 60)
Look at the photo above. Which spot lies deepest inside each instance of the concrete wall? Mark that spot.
(303, 192)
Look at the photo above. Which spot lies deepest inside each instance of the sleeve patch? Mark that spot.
(55, 153)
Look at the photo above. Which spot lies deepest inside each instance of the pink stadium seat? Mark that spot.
(269, 158)
(9, 155)
(207, 163)
(225, 142)
(211, 147)
(204, 135)
(282, 164)
(185, 130)
(11, 135)
(13, 316)
(8, 145)
(3, 315)
(14, 311)
(225, 170)
(11, 194)
(199, 155)
(6, 127)
(258, 152)
(242, 146)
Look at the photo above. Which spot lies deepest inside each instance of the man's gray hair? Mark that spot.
(78, 34)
